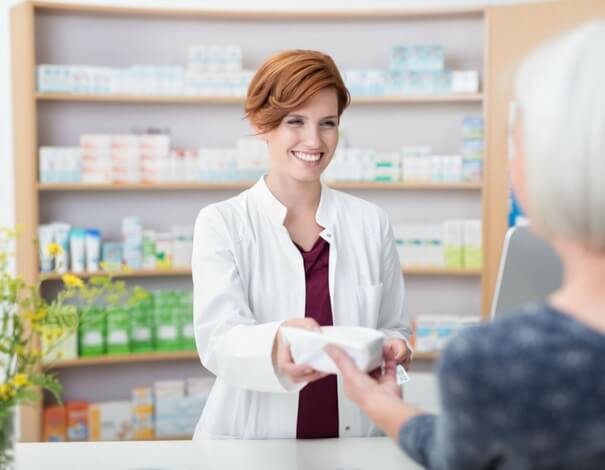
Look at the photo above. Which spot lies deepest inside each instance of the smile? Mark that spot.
(309, 157)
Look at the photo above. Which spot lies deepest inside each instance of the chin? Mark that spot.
(306, 176)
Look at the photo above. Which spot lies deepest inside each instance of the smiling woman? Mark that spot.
(290, 252)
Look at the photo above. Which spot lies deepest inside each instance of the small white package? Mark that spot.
(363, 345)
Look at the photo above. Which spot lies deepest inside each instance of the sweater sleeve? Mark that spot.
(461, 437)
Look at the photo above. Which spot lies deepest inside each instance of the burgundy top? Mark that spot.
(318, 401)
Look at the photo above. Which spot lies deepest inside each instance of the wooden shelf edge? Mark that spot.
(176, 272)
(425, 356)
(441, 272)
(122, 359)
(244, 185)
(187, 272)
(197, 99)
(359, 14)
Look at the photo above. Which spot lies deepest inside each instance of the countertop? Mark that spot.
(375, 453)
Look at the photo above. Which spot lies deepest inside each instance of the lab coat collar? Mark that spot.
(276, 211)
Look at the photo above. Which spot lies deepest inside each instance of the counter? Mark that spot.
(377, 453)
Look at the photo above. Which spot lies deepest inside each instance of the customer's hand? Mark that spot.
(397, 350)
(378, 394)
(282, 359)
(362, 388)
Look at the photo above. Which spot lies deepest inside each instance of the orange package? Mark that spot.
(77, 420)
(54, 424)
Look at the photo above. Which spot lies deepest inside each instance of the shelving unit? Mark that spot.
(245, 185)
(180, 272)
(161, 356)
(184, 99)
(132, 358)
(57, 119)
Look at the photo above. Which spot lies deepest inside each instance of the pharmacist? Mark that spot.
(290, 251)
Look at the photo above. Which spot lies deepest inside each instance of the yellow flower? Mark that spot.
(36, 353)
(20, 380)
(5, 391)
(72, 281)
(54, 249)
(36, 317)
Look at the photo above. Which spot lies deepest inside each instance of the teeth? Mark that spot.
(307, 157)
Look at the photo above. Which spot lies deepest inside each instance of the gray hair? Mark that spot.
(560, 91)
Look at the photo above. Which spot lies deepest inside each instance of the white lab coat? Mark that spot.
(249, 277)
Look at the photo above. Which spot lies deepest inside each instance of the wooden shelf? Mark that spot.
(425, 356)
(244, 185)
(175, 272)
(124, 359)
(441, 272)
(200, 99)
(267, 15)
(184, 272)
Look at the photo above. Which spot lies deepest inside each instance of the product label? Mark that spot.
(188, 331)
(92, 338)
(141, 334)
(118, 337)
(167, 332)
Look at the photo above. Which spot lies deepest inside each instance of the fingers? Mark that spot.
(302, 373)
(396, 349)
(304, 323)
(342, 360)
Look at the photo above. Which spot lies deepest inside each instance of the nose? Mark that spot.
(312, 137)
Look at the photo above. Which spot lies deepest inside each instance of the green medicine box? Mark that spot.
(92, 332)
(186, 321)
(141, 326)
(166, 310)
(118, 330)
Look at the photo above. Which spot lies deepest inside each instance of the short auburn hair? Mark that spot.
(285, 81)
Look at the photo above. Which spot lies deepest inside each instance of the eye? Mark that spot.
(329, 124)
(294, 122)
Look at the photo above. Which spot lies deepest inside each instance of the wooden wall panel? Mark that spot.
(513, 31)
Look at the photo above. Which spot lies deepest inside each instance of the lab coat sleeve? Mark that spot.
(391, 319)
(230, 342)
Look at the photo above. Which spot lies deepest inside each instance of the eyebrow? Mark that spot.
(305, 117)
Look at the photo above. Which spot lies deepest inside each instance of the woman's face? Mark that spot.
(302, 146)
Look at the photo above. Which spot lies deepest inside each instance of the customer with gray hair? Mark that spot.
(528, 391)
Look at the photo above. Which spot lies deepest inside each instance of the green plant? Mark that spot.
(32, 327)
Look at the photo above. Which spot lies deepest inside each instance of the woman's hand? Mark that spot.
(282, 359)
(361, 387)
(397, 350)
(377, 395)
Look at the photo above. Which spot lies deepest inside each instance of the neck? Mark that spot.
(583, 291)
(295, 195)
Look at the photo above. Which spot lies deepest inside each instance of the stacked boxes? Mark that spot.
(473, 149)
(54, 424)
(453, 244)
(141, 326)
(147, 158)
(166, 315)
(143, 426)
(433, 332)
(167, 409)
(162, 322)
(77, 420)
(177, 412)
(110, 421)
(118, 329)
(92, 333)
(141, 80)
(132, 239)
(60, 164)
